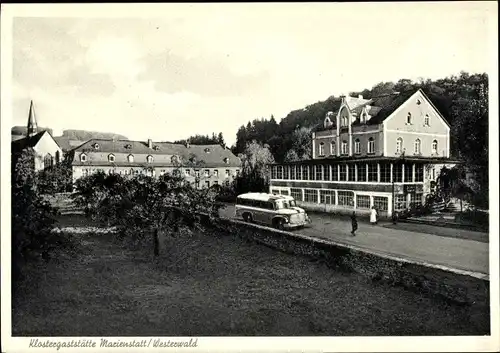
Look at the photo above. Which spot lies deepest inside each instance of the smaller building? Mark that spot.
(47, 150)
(203, 165)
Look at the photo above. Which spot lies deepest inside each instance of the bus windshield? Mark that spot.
(285, 204)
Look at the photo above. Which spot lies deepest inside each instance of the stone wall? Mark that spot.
(457, 287)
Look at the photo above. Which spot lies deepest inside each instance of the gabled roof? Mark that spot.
(26, 142)
(29, 141)
(388, 105)
(67, 144)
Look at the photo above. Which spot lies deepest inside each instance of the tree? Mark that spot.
(255, 168)
(220, 140)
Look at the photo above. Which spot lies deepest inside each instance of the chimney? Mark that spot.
(150, 144)
(187, 145)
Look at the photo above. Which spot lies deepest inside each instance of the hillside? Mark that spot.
(84, 135)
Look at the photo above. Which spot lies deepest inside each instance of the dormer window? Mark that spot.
(130, 158)
(149, 159)
(128, 146)
(96, 146)
(111, 158)
(207, 150)
(408, 119)
(174, 160)
(226, 160)
(156, 148)
(83, 157)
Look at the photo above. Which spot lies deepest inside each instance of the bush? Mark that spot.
(32, 217)
(477, 217)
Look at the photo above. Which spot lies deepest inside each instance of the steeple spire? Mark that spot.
(32, 125)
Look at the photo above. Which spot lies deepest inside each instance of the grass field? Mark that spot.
(220, 285)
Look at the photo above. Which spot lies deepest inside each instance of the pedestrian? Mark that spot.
(373, 216)
(354, 224)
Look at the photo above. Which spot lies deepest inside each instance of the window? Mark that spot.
(216, 173)
(408, 119)
(48, 161)
(305, 172)
(345, 198)
(381, 203)
(279, 172)
(83, 157)
(296, 194)
(130, 158)
(333, 150)
(216, 182)
(363, 201)
(372, 172)
(319, 172)
(326, 172)
(385, 173)
(399, 145)
(58, 157)
(416, 199)
(273, 172)
(327, 197)
(236, 172)
(344, 148)
(207, 173)
(286, 172)
(207, 184)
(371, 145)
(427, 120)
(111, 158)
(397, 173)
(149, 159)
(321, 149)
(284, 192)
(434, 146)
(187, 172)
(335, 172)
(343, 172)
(408, 173)
(400, 202)
(292, 172)
(351, 171)
(417, 146)
(197, 173)
(311, 195)
(362, 172)
(311, 172)
(357, 146)
(419, 172)
(299, 172)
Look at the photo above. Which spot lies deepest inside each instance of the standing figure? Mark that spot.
(373, 216)
(354, 224)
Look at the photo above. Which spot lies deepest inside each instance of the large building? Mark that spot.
(385, 152)
(204, 165)
(47, 151)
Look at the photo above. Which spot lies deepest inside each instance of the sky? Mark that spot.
(178, 70)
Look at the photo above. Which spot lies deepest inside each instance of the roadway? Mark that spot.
(456, 253)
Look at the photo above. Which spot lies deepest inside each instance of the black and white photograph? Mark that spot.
(250, 177)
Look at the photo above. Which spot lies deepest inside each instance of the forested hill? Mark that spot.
(462, 100)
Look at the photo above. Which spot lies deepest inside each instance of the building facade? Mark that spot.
(47, 151)
(385, 152)
(203, 165)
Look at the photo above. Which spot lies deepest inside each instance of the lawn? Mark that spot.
(213, 284)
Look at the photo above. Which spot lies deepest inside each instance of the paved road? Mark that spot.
(461, 254)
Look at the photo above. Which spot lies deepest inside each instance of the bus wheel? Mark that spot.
(247, 217)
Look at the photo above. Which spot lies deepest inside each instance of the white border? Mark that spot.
(245, 344)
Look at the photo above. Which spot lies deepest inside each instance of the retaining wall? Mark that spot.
(456, 286)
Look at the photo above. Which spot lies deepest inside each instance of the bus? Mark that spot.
(279, 211)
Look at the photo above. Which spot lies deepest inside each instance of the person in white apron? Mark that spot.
(373, 215)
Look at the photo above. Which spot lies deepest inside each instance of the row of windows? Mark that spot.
(187, 172)
(417, 147)
(409, 119)
(344, 150)
(362, 172)
(339, 197)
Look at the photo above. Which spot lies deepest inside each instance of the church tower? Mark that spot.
(32, 125)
